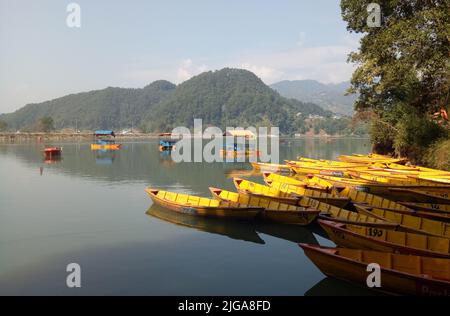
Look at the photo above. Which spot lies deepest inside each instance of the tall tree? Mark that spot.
(403, 66)
(3, 126)
(46, 124)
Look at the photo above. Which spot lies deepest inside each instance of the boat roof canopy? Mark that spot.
(240, 133)
(104, 133)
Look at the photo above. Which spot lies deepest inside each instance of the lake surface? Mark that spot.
(90, 208)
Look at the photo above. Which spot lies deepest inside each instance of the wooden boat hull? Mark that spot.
(273, 211)
(443, 217)
(387, 240)
(409, 223)
(333, 264)
(428, 207)
(222, 210)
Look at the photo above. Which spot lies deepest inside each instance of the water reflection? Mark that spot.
(294, 233)
(232, 229)
(334, 287)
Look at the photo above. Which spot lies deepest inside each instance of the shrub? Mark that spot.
(438, 155)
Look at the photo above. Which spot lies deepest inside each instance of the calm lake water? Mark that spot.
(91, 209)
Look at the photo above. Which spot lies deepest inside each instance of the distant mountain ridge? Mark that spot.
(329, 96)
(227, 97)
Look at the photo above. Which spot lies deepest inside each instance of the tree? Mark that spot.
(3, 126)
(403, 66)
(46, 124)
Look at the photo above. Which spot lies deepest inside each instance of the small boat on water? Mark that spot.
(387, 240)
(201, 206)
(273, 210)
(400, 274)
(104, 141)
(167, 141)
(52, 152)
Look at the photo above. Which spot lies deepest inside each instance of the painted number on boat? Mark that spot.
(375, 232)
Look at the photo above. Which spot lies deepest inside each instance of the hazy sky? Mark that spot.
(132, 43)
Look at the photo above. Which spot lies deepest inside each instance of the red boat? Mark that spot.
(51, 152)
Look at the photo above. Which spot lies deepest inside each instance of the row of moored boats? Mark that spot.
(376, 209)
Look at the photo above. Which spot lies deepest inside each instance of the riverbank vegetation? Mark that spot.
(402, 77)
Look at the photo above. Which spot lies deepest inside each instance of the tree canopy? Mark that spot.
(403, 68)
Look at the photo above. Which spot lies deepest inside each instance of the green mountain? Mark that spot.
(329, 96)
(227, 97)
(110, 108)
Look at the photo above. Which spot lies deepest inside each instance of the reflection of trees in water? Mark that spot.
(142, 162)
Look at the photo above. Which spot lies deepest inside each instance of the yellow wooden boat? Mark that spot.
(270, 177)
(422, 195)
(428, 207)
(437, 216)
(301, 161)
(400, 274)
(272, 167)
(433, 179)
(340, 214)
(273, 210)
(388, 178)
(256, 189)
(105, 146)
(407, 193)
(408, 222)
(201, 206)
(371, 158)
(298, 191)
(399, 167)
(375, 238)
(370, 199)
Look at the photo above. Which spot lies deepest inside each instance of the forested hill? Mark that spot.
(230, 97)
(227, 97)
(108, 108)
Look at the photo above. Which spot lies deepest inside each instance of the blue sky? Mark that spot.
(132, 43)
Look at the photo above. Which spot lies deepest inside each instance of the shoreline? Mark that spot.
(55, 136)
